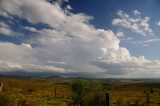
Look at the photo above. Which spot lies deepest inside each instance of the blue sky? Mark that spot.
(106, 38)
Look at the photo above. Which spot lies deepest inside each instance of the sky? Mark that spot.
(83, 38)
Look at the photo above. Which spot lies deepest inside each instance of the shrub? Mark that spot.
(93, 96)
(79, 91)
(98, 98)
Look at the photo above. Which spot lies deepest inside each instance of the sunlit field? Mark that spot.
(58, 91)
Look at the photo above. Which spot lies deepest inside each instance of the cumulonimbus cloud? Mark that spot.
(70, 43)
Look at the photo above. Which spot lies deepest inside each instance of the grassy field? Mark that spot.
(37, 92)
(41, 91)
(135, 95)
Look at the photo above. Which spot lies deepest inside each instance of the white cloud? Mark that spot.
(9, 66)
(146, 42)
(69, 7)
(158, 23)
(21, 57)
(55, 62)
(151, 40)
(12, 52)
(4, 29)
(136, 24)
(136, 12)
(7, 31)
(28, 46)
(32, 11)
(145, 45)
(75, 44)
(32, 29)
(121, 62)
(127, 39)
(120, 34)
(42, 68)
(3, 13)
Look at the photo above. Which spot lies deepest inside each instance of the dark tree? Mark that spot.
(79, 91)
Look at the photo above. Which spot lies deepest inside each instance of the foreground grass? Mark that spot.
(41, 92)
(37, 92)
